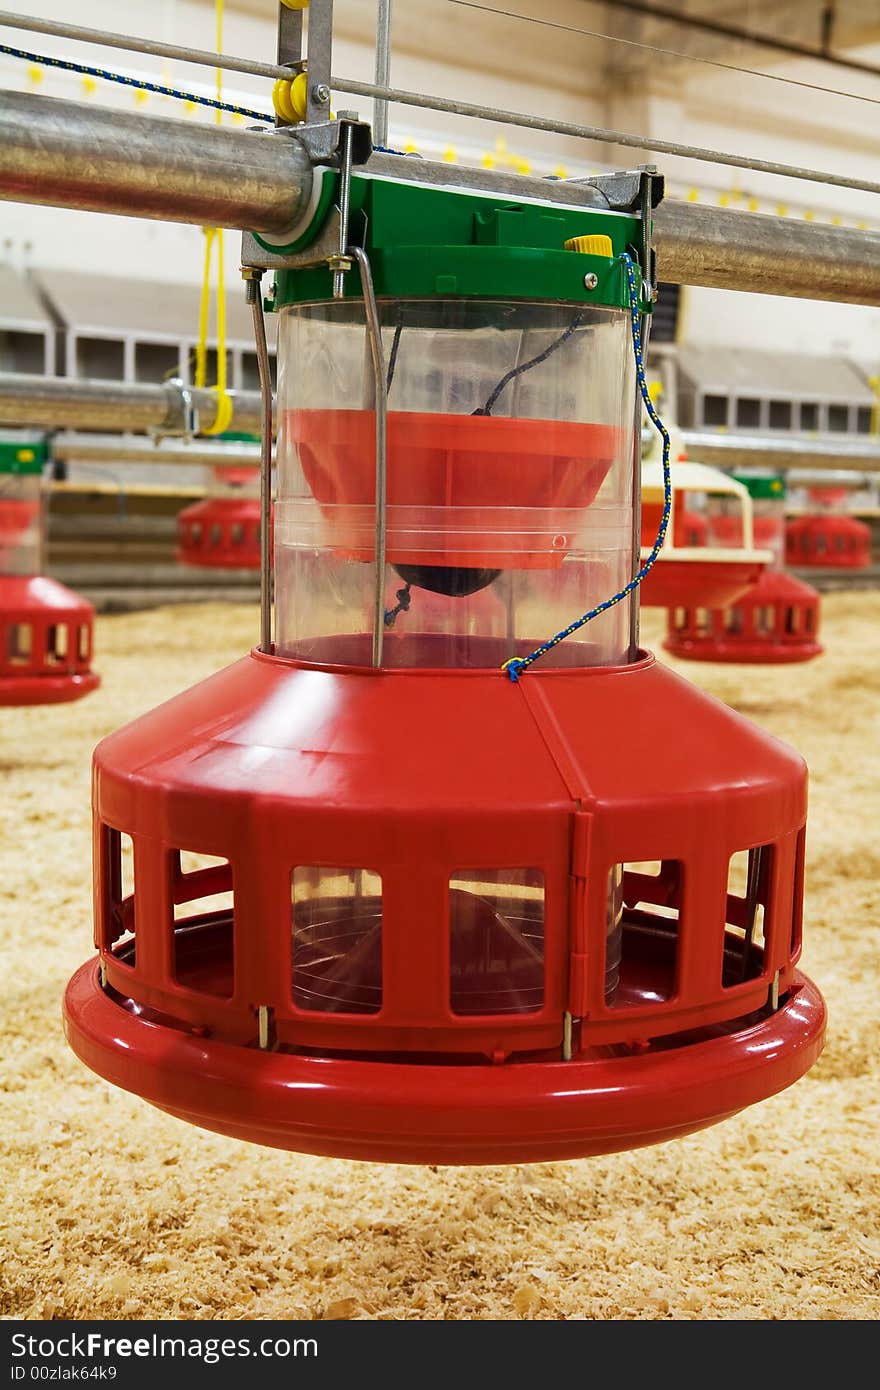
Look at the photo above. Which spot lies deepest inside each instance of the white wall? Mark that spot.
(446, 49)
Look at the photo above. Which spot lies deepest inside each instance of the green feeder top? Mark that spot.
(238, 437)
(425, 241)
(763, 486)
(23, 456)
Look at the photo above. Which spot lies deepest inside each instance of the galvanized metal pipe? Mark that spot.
(101, 450)
(60, 403)
(783, 451)
(766, 255)
(66, 154)
(70, 155)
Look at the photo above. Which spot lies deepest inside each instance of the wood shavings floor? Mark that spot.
(112, 1209)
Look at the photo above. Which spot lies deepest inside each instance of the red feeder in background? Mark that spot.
(222, 531)
(690, 571)
(362, 894)
(777, 620)
(828, 538)
(45, 628)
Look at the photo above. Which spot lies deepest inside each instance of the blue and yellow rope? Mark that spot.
(141, 84)
(517, 665)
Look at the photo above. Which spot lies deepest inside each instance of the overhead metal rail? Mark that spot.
(59, 403)
(79, 448)
(166, 409)
(62, 153)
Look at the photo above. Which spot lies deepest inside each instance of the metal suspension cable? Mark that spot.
(666, 52)
(372, 90)
(722, 30)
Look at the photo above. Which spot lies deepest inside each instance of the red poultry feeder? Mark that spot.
(45, 629)
(222, 531)
(689, 528)
(828, 538)
(690, 572)
(363, 894)
(777, 620)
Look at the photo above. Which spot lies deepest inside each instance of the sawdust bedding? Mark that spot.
(112, 1209)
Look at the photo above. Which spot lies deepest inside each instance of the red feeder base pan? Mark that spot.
(416, 1112)
(776, 622)
(45, 642)
(492, 903)
(697, 581)
(220, 533)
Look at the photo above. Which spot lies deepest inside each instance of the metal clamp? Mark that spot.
(183, 406)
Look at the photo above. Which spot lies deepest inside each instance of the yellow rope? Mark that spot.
(214, 235)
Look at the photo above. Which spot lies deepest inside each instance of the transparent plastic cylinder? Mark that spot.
(725, 518)
(21, 523)
(232, 481)
(509, 506)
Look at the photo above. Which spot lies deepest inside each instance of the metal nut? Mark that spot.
(590, 281)
(321, 93)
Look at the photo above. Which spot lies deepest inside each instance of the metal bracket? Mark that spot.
(324, 141)
(335, 144)
(630, 189)
(181, 404)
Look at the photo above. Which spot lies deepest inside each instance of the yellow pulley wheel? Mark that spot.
(299, 95)
(290, 98)
(282, 102)
(596, 245)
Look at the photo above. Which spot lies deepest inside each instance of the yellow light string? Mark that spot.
(214, 235)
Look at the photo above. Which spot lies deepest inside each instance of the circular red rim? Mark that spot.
(47, 690)
(519, 1112)
(744, 653)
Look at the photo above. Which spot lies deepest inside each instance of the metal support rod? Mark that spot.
(649, 291)
(67, 154)
(253, 285)
(383, 71)
(319, 54)
(600, 133)
(380, 397)
(109, 38)
(290, 28)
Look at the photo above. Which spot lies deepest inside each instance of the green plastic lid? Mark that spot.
(763, 486)
(428, 242)
(23, 456)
